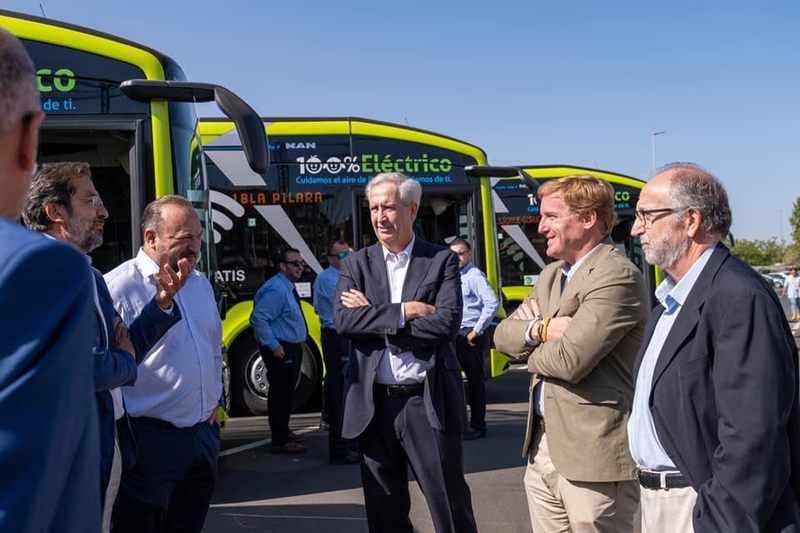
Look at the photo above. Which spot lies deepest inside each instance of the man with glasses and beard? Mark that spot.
(280, 329)
(715, 424)
(64, 205)
(49, 445)
(174, 405)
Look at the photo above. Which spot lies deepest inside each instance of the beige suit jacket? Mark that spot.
(589, 372)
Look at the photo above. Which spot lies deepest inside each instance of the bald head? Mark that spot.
(20, 118)
(690, 186)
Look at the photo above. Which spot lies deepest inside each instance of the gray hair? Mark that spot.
(152, 216)
(52, 184)
(19, 92)
(410, 191)
(691, 186)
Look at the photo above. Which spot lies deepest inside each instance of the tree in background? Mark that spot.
(793, 250)
(759, 253)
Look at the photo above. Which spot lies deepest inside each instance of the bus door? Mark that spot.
(444, 214)
(111, 147)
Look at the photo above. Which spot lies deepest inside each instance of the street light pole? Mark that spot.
(654, 149)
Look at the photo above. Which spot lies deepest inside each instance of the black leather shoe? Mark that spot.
(473, 434)
(351, 458)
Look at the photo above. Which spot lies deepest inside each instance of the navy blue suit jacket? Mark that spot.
(725, 400)
(114, 367)
(432, 277)
(49, 441)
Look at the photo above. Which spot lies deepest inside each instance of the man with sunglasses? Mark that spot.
(49, 446)
(715, 424)
(335, 350)
(280, 329)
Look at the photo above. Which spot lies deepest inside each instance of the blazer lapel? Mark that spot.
(685, 324)
(418, 265)
(377, 276)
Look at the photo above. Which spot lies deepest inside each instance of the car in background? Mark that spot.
(777, 283)
(779, 276)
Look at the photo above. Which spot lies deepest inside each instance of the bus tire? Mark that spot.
(249, 386)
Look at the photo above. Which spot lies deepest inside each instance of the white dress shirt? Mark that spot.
(645, 446)
(180, 379)
(401, 368)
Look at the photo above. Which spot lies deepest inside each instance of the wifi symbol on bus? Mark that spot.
(220, 220)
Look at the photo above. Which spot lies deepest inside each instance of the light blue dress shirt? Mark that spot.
(324, 291)
(276, 316)
(643, 441)
(480, 302)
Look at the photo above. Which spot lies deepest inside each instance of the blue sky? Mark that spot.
(531, 82)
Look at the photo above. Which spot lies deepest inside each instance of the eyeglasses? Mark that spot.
(341, 255)
(294, 263)
(642, 215)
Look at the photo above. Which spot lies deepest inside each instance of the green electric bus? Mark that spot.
(521, 249)
(314, 193)
(129, 112)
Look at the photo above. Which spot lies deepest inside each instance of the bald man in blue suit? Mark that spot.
(49, 444)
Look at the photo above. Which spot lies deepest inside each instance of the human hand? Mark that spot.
(354, 298)
(278, 352)
(556, 327)
(169, 282)
(472, 335)
(527, 310)
(414, 310)
(122, 337)
(214, 418)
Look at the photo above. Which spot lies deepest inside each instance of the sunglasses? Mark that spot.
(341, 255)
(294, 263)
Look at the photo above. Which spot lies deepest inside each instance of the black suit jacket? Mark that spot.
(432, 277)
(725, 400)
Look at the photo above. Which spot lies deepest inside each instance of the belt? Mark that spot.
(399, 391)
(662, 480)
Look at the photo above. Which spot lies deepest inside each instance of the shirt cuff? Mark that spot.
(528, 337)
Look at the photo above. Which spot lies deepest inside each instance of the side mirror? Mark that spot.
(248, 123)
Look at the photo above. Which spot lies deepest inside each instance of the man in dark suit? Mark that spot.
(65, 205)
(49, 445)
(715, 424)
(400, 304)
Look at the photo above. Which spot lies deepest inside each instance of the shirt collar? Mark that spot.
(387, 254)
(568, 270)
(466, 268)
(672, 295)
(146, 264)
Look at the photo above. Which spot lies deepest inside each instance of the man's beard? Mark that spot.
(82, 234)
(664, 252)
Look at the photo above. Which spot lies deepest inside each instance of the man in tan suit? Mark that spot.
(580, 327)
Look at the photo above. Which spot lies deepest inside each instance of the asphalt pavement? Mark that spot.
(259, 491)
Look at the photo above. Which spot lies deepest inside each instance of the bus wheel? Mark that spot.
(249, 385)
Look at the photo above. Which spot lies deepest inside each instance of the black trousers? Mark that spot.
(282, 376)
(472, 360)
(400, 436)
(335, 349)
(170, 486)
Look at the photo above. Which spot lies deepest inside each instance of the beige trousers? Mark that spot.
(667, 511)
(113, 486)
(557, 505)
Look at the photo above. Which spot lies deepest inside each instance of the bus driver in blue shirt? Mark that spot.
(480, 306)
